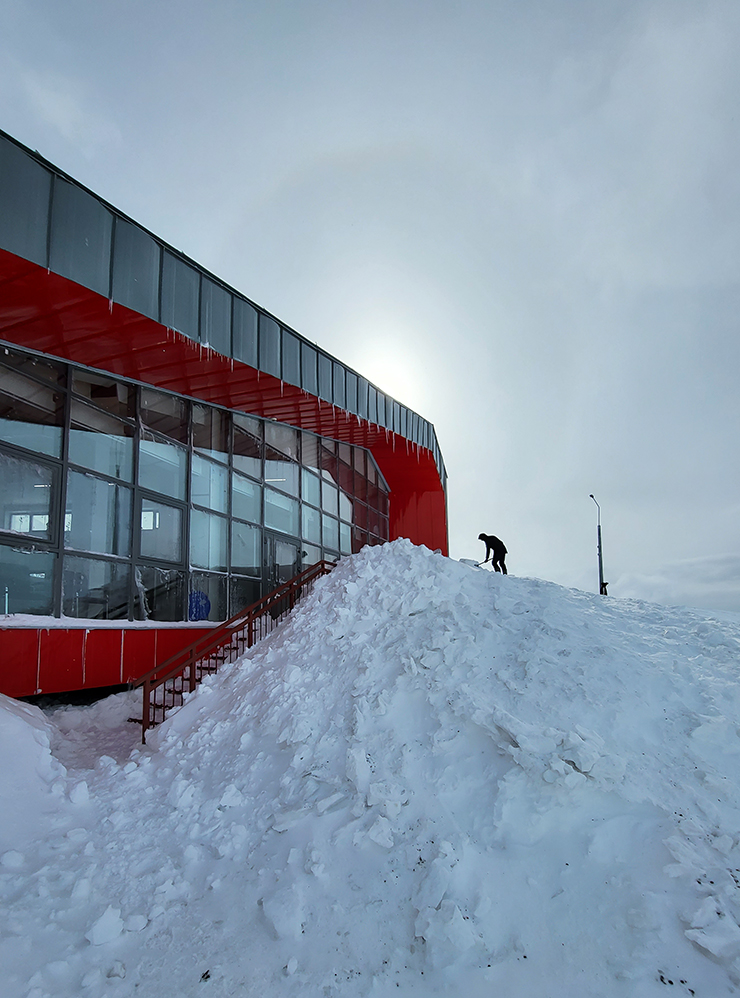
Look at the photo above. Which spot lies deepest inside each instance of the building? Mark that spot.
(169, 451)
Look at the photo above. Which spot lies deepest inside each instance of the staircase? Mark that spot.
(165, 685)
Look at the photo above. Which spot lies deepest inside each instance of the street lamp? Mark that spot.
(602, 584)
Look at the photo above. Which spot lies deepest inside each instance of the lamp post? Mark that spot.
(602, 584)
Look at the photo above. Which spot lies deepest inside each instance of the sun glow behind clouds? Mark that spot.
(385, 352)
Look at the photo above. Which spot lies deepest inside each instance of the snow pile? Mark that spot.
(431, 780)
(31, 781)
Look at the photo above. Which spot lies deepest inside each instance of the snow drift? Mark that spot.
(431, 780)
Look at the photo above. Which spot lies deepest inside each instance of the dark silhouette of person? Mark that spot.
(495, 550)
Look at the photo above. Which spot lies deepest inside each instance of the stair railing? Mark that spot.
(165, 685)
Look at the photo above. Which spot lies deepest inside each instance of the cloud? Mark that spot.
(712, 583)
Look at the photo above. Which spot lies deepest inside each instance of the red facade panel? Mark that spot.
(61, 660)
(18, 661)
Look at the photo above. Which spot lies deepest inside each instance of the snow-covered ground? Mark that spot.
(431, 780)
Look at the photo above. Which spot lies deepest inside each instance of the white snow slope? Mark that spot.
(432, 780)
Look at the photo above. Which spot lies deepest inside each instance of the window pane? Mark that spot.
(339, 396)
(345, 538)
(215, 317)
(360, 486)
(100, 442)
(26, 497)
(245, 332)
(325, 378)
(209, 484)
(310, 451)
(248, 445)
(309, 369)
(36, 367)
(351, 391)
(244, 592)
(362, 387)
(246, 499)
(136, 269)
(116, 397)
(311, 524)
(95, 589)
(330, 498)
(291, 358)
(359, 539)
(211, 431)
(310, 488)
(208, 534)
(246, 549)
(161, 530)
(28, 577)
(98, 516)
(160, 593)
(281, 512)
(180, 293)
(372, 404)
(162, 467)
(80, 237)
(282, 438)
(31, 415)
(164, 413)
(269, 345)
(345, 506)
(331, 531)
(281, 475)
(310, 555)
(24, 203)
(207, 600)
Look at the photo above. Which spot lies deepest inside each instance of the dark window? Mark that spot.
(283, 438)
(309, 371)
(93, 588)
(325, 378)
(28, 577)
(310, 451)
(116, 397)
(244, 592)
(215, 317)
(269, 346)
(245, 332)
(248, 445)
(339, 384)
(24, 203)
(211, 431)
(207, 600)
(31, 414)
(291, 358)
(36, 367)
(160, 593)
(136, 269)
(180, 293)
(164, 413)
(80, 237)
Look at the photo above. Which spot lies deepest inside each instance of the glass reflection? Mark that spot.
(98, 516)
(26, 580)
(95, 589)
(161, 530)
(26, 492)
(100, 442)
(162, 467)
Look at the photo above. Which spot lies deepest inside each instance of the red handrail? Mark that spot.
(227, 640)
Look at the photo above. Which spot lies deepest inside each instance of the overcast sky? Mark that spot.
(519, 217)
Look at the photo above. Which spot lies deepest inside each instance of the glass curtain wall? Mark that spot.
(47, 218)
(119, 501)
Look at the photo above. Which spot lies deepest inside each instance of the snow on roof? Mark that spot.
(431, 780)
